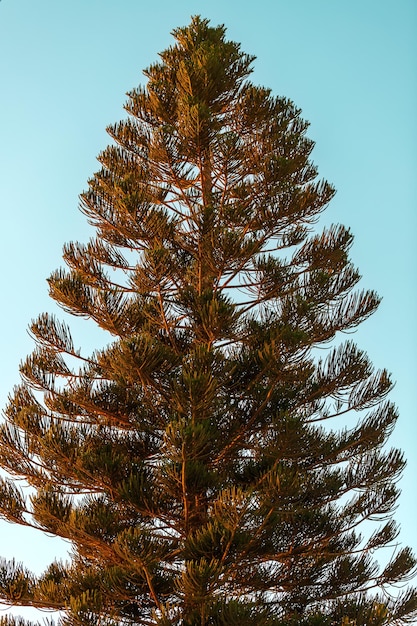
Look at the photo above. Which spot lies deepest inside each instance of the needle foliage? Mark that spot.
(215, 463)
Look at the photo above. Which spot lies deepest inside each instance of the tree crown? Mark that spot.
(192, 462)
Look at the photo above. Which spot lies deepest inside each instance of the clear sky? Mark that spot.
(350, 65)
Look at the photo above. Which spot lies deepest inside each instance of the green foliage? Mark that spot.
(197, 464)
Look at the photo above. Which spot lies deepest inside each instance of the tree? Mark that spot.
(199, 464)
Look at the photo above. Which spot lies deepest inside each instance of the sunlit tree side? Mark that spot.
(209, 466)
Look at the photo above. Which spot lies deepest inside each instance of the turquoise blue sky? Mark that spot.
(349, 64)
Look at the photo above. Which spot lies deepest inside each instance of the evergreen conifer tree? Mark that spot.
(209, 466)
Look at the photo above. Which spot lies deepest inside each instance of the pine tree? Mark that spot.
(209, 466)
